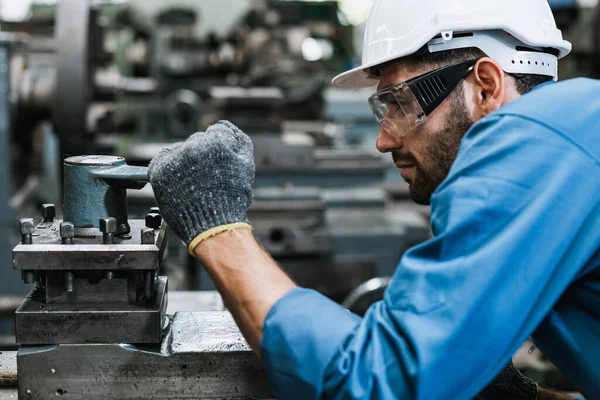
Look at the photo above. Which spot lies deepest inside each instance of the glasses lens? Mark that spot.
(397, 110)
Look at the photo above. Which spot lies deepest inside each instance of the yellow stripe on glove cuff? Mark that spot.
(214, 232)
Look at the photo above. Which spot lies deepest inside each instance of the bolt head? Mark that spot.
(67, 230)
(26, 226)
(108, 225)
(154, 210)
(48, 211)
(147, 236)
(153, 220)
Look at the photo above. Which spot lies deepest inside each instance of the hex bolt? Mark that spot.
(28, 277)
(123, 230)
(147, 236)
(153, 220)
(108, 227)
(67, 232)
(109, 275)
(26, 226)
(69, 281)
(154, 210)
(48, 212)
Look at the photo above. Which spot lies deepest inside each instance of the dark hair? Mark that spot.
(523, 83)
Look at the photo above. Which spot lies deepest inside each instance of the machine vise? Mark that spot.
(96, 273)
(94, 326)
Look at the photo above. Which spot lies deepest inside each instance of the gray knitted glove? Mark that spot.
(510, 384)
(204, 185)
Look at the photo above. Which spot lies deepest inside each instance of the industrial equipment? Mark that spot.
(115, 80)
(95, 325)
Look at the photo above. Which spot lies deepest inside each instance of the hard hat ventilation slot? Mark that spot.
(545, 50)
(530, 62)
(455, 35)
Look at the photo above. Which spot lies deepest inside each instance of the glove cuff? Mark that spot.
(214, 232)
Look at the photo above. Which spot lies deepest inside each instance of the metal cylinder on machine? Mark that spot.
(95, 187)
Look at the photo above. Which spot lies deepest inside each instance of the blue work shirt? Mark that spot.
(515, 254)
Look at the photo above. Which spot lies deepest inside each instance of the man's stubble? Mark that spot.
(440, 154)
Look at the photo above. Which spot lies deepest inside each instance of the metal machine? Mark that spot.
(94, 325)
(124, 85)
(72, 262)
(318, 207)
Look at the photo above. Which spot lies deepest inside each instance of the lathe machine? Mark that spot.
(94, 325)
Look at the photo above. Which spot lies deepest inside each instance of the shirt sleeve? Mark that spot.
(510, 225)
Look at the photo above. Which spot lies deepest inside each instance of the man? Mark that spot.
(513, 182)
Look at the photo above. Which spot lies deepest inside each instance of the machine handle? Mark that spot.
(124, 176)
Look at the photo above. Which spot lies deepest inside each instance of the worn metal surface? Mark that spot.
(8, 393)
(91, 292)
(194, 301)
(88, 253)
(203, 356)
(8, 368)
(95, 188)
(38, 322)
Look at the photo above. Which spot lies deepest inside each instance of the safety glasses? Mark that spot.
(401, 108)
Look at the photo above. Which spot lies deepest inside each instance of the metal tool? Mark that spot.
(97, 288)
(95, 282)
(102, 181)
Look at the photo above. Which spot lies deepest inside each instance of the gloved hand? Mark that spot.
(203, 186)
(510, 383)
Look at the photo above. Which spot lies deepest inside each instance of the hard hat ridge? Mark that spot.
(520, 35)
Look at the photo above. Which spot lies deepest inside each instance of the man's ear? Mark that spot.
(489, 86)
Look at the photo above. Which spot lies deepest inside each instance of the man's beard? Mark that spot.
(440, 154)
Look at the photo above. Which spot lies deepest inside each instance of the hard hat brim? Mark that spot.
(360, 77)
(356, 78)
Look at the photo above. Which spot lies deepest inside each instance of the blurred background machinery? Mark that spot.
(127, 78)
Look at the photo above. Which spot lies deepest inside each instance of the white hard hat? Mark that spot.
(520, 34)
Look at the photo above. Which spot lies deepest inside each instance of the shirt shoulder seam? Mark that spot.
(550, 128)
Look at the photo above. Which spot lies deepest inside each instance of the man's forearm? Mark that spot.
(247, 277)
(547, 394)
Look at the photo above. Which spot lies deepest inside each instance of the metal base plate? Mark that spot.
(40, 323)
(203, 356)
(88, 253)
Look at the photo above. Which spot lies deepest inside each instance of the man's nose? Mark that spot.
(387, 142)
